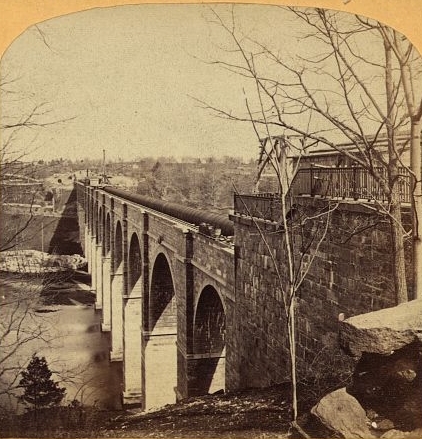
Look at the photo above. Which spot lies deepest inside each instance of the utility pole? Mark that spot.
(104, 178)
(42, 235)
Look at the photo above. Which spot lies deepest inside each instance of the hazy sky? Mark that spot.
(124, 79)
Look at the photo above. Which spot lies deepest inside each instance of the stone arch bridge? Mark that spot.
(189, 299)
(163, 285)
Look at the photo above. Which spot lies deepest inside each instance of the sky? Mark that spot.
(124, 79)
(127, 80)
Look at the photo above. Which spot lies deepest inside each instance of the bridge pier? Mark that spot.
(160, 368)
(87, 248)
(92, 252)
(132, 351)
(99, 276)
(116, 353)
(106, 323)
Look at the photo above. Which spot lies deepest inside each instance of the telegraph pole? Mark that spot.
(104, 177)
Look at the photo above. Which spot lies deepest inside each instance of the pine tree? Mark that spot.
(40, 390)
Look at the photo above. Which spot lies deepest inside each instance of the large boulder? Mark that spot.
(388, 376)
(383, 331)
(341, 413)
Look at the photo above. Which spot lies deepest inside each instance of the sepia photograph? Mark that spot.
(210, 219)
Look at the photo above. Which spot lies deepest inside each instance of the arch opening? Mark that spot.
(99, 225)
(162, 308)
(209, 343)
(135, 268)
(107, 238)
(210, 323)
(118, 249)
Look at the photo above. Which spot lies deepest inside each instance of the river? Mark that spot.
(72, 342)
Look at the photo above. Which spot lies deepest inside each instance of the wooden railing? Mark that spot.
(354, 183)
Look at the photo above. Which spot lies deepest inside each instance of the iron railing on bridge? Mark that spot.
(335, 183)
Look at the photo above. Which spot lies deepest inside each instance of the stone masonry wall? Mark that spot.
(350, 274)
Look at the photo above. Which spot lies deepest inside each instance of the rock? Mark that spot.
(388, 377)
(397, 434)
(342, 414)
(383, 331)
(384, 424)
(391, 385)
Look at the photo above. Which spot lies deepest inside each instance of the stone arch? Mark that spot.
(107, 235)
(95, 222)
(209, 323)
(208, 365)
(162, 297)
(118, 247)
(99, 225)
(209, 283)
(134, 262)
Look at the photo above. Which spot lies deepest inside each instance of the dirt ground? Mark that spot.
(263, 413)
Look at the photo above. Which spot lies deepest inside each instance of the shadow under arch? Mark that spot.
(162, 299)
(118, 248)
(209, 342)
(134, 263)
(99, 226)
(107, 235)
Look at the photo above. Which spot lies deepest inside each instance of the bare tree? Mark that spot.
(338, 96)
(353, 84)
(301, 232)
(22, 120)
(20, 327)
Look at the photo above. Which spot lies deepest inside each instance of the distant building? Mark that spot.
(21, 190)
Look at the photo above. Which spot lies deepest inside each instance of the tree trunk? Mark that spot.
(398, 259)
(398, 262)
(292, 350)
(416, 190)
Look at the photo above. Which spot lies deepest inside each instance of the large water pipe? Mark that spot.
(188, 214)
